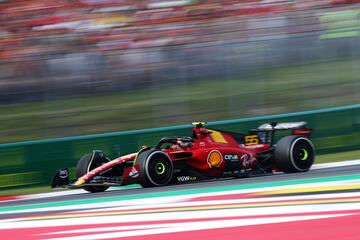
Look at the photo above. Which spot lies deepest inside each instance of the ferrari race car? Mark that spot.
(205, 155)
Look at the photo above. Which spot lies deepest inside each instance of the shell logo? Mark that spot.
(214, 159)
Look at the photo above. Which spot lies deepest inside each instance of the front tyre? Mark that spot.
(87, 163)
(294, 154)
(156, 168)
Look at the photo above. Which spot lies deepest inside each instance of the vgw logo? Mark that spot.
(186, 178)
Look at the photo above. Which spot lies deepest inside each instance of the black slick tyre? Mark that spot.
(294, 154)
(87, 163)
(156, 168)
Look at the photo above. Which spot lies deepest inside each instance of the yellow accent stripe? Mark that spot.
(79, 182)
(199, 208)
(217, 137)
(311, 189)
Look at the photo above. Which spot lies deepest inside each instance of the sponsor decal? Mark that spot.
(134, 173)
(214, 159)
(231, 157)
(247, 160)
(252, 140)
(202, 144)
(63, 173)
(186, 178)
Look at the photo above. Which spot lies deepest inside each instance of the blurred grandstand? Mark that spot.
(71, 67)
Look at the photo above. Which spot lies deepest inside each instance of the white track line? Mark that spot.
(16, 223)
(335, 164)
(192, 226)
(66, 193)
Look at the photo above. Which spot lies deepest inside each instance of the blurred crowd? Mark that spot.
(43, 27)
(91, 41)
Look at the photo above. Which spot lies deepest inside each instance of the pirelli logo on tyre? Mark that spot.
(214, 159)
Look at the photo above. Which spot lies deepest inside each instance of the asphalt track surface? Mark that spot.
(315, 173)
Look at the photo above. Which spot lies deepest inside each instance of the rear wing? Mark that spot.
(281, 126)
(266, 131)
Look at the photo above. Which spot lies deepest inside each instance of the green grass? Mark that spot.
(337, 157)
(325, 158)
(25, 191)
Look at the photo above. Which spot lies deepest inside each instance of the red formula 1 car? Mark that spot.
(206, 154)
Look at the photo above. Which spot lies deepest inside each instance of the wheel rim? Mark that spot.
(159, 169)
(302, 154)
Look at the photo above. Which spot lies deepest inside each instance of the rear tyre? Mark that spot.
(294, 154)
(87, 163)
(156, 168)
